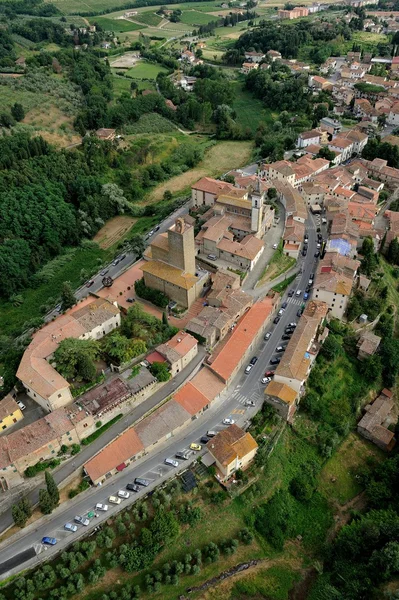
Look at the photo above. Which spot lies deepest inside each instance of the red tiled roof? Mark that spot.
(191, 399)
(120, 450)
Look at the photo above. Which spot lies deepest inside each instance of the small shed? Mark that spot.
(363, 318)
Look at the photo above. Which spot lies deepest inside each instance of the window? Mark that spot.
(59, 395)
(14, 420)
(84, 424)
(53, 452)
(70, 439)
(4, 427)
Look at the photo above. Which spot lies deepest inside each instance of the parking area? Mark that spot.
(32, 412)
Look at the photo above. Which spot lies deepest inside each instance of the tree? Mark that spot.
(75, 358)
(67, 296)
(52, 488)
(393, 252)
(18, 515)
(332, 347)
(121, 349)
(167, 195)
(160, 371)
(137, 245)
(45, 502)
(272, 193)
(326, 153)
(369, 261)
(165, 318)
(17, 111)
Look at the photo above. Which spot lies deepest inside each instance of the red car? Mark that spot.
(269, 373)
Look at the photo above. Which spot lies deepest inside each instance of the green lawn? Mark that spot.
(117, 25)
(250, 111)
(193, 17)
(121, 84)
(338, 479)
(274, 583)
(145, 70)
(151, 123)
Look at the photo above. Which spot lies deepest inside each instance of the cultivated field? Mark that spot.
(145, 70)
(117, 25)
(113, 231)
(218, 159)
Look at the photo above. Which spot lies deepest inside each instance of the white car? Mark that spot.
(248, 368)
(267, 336)
(275, 246)
(298, 293)
(250, 403)
(265, 380)
(293, 325)
(228, 421)
(103, 507)
(114, 500)
(123, 494)
(21, 405)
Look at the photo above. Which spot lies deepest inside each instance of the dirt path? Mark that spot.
(342, 513)
(113, 231)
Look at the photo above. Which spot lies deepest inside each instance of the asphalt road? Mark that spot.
(152, 467)
(130, 258)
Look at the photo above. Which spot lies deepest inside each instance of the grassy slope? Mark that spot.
(250, 111)
(145, 70)
(117, 25)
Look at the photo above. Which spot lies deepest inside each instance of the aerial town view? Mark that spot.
(199, 300)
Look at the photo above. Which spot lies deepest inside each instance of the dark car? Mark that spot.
(253, 360)
(269, 374)
(291, 293)
(305, 239)
(90, 283)
(317, 254)
(311, 276)
(133, 487)
(308, 288)
(275, 360)
(319, 237)
(299, 313)
(289, 329)
(276, 320)
(157, 228)
(122, 256)
(205, 439)
(142, 481)
(286, 336)
(131, 300)
(284, 305)
(304, 252)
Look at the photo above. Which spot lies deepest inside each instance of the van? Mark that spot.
(170, 462)
(141, 481)
(211, 434)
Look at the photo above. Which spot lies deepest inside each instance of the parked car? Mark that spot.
(307, 289)
(157, 228)
(293, 324)
(104, 272)
(115, 262)
(269, 374)
(90, 283)
(304, 252)
(123, 494)
(298, 292)
(280, 349)
(284, 305)
(276, 320)
(286, 336)
(275, 360)
(280, 312)
(291, 293)
(248, 369)
(205, 439)
(299, 313)
(306, 237)
(102, 507)
(70, 527)
(114, 500)
(228, 421)
(253, 360)
(150, 233)
(211, 433)
(183, 454)
(305, 296)
(122, 257)
(318, 246)
(265, 380)
(275, 246)
(310, 282)
(250, 403)
(212, 256)
(317, 254)
(267, 336)
(130, 300)
(82, 520)
(132, 487)
(49, 540)
(171, 462)
(21, 405)
(311, 276)
(142, 481)
(196, 447)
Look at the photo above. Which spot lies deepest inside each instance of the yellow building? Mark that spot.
(10, 413)
(232, 449)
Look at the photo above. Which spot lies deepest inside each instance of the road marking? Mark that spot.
(238, 411)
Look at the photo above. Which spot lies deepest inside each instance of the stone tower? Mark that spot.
(181, 246)
(256, 213)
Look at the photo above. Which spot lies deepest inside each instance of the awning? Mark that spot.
(121, 467)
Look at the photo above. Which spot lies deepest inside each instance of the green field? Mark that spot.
(145, 70)
(151, 123)
(250, 111)
(193, 17)
(117, 25)
(121, 84)
(148, 18)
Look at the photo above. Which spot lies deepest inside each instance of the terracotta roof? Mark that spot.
(241, 339)
(181, 343)
(155, 357)
(117, 452)
(211, 186)
(231, 444)
(282, 391)
(248, 248)
(307, 135)
(207, 383)
(34, 370)
(8, 406)
(160, 423)
(191, 399)
(170, 274)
